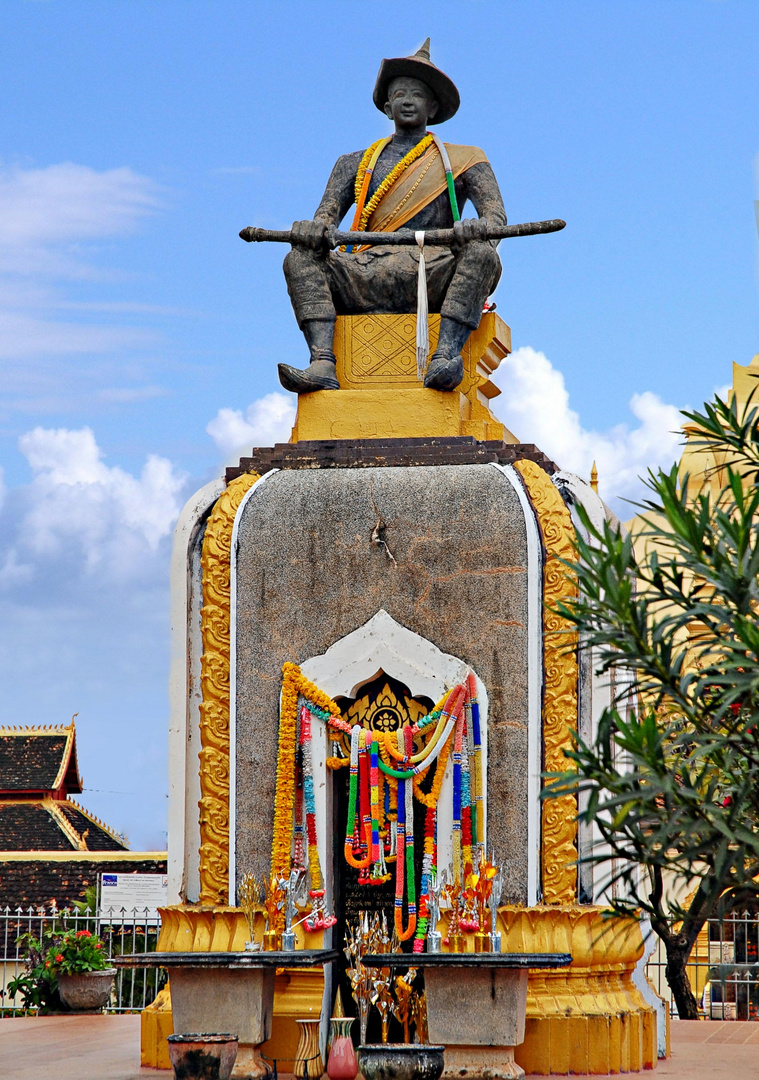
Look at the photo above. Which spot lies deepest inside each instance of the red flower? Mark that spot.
(735, 708)
(59, 958)
(727, 801)
(83, 933)
(99, 945)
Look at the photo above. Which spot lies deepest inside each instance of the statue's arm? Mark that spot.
(338, 194)
(335, 203)
(483, 192)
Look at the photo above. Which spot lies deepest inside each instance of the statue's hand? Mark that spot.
(467, 230)
(310, 234)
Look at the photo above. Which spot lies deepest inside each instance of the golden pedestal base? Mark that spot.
(587, 1018)
(380, 396)
(391, 414)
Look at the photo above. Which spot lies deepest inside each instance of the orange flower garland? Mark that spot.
(364, 209)
(284, 802)
(294, 685)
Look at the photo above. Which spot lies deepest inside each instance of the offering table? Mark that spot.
(227, 991)
(476, 1005)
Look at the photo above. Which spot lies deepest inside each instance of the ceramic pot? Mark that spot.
(87, 990)
(202, 1055)
(308, 1062)
(400, 1061)
(342, 1063)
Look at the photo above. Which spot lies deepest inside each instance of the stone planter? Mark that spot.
(86, 991)
(202, 1055)
(400, 1061)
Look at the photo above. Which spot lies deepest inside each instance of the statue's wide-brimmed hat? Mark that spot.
(419, 66)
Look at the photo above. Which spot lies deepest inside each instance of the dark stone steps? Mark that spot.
(374, 453)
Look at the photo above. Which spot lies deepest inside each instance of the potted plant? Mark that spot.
(79, 963)
(36, 985)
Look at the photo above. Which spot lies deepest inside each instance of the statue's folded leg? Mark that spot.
(476, 274)
(383, 280)
(311, 298)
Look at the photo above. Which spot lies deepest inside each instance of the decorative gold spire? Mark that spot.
(424, 51)
(594, 477)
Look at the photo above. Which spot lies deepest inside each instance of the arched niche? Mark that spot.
(382, 645)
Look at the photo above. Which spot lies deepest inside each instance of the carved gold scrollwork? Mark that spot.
(214, 681)
(384, 706)
(558, 825)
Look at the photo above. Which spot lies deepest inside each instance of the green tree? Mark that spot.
(671, 780)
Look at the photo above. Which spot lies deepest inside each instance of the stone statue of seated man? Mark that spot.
(410, 180)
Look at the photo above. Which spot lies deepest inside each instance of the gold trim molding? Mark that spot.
(214, 680)
(589, 1017)
(558, 825)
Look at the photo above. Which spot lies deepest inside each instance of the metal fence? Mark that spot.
(122, 932)
(723, 969)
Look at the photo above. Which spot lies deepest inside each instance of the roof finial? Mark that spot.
(594, 477)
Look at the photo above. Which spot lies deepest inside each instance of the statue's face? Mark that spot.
(410, 102)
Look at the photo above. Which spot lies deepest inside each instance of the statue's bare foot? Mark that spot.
(319, 375)
(444, 372)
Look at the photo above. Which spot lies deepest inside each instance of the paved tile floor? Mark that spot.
(108, 1048)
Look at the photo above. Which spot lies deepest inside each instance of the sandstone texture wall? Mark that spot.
(308, 573)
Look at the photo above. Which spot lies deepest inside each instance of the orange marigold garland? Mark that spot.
(284, 802)
(364, 208)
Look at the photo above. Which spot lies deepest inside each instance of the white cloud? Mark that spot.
(84, 514)
(44, 211)
(534, 405)
(52, 220)
(267, 421)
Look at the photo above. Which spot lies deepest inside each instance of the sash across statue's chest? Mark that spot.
(393, 189)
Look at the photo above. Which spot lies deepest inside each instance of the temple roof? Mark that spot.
(53, 825)
(51, 848)
(39, 760)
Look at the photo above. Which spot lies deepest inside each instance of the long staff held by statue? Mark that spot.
(336, 238)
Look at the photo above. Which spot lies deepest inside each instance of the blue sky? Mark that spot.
(139, 336)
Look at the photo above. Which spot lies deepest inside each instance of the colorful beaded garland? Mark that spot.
(380, 821)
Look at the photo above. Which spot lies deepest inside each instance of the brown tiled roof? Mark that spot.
(38, 759)
(34, 882)
(95, 834)
(30, 826)
(51, 825)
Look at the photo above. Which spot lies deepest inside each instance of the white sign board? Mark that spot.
(133, 893)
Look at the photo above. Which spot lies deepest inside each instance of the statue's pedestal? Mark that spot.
(401, 536)
(381, 396)
(398, 414)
